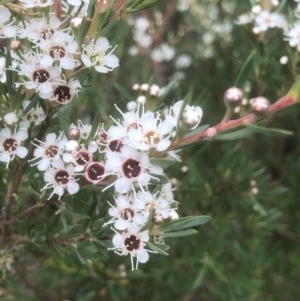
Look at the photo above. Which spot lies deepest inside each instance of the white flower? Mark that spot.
(7, 30)
(84, 130)
(163, 53)
(60, 178)
(142, 130)
(62, 48)
(183, 61)
(165, 205)
(265, 20)
(132, 168)
(293, 36)
(36, 3)
(2, 70)
(140, 33)
(48, 151)
(95, 172)
(95, 55)
(132, 242)
(190, 115)
(64, 94)
(10, 145)
(10, 118)
(41, 75)
(34, 115)
(128, 210)
(36, 29)
(80, 158)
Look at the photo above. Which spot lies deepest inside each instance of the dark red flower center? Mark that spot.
(132, 243)
(95, 172)
(51, 151)
(57, 52)
(115, 145)
(131, 168)
(62, 177)
(127, 214)
(10, 145)
(83, 157)
(40, 76)
(62, 94)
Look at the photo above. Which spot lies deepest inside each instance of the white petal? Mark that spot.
(122, 185)
(163, 145)
(21, 152)
(112, 61)
(118, 240)
(4, 14)
(142, 256)
(86, 61)
(120, 225)
(102, 44)
(21, 135)
(43, 164)
(4, 157)
(73, 187)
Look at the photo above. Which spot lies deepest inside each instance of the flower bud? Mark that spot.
(74, 133)
(10, 118)
(259, 104)
(233, 96)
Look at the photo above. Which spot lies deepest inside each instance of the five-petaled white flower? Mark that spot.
(132, 242)
(10, 144)
(95, 55)
(48, 151)
(60, 178)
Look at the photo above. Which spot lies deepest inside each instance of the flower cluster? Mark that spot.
(264, 18)
(39, 73)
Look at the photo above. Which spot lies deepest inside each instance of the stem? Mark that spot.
(18, 175)
(279, 105)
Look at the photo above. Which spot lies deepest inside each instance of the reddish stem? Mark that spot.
(231, 124)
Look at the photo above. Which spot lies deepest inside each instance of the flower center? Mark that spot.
(132, 243)
(10, 145)
(115, 145)
(127, 214)
(62, 177)
(47, 33)
(62, 94)
(131, 168)
(40, 76)
(57, 52)
(82, 158)
(97, 57)
(95, 172)
(51, 151)
(152, 137)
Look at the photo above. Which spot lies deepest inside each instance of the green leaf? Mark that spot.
(62, 121)
(159, 179)
(238, 134)
(183, 223)
(158, 249)
(33, 103)
(179, 233)
(197, 130)
(123, 91)
(268, 131)
(141, 4)
(95, 126)
(162, 162)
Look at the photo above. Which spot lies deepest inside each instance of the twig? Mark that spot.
(281, 104)
(18, 175)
